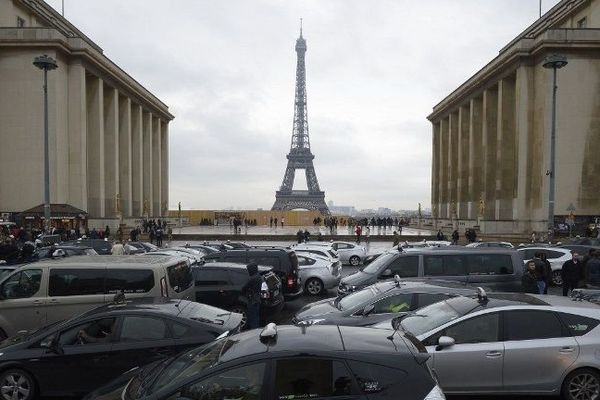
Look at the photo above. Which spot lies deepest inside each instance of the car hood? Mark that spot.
(358, 279)
(318, 309)
(233, 322)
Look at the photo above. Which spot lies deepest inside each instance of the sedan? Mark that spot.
(74, 357)
(510, 344)
(377, 303)
(319, 274)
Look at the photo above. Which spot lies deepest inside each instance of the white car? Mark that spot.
(318, 273)
(321, 251)
(505, 245)
(556, 255)
(348, 253)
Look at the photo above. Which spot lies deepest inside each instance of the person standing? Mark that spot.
(300, 235)
(547, 271)
(358, 232)
(368, 235)
(396, 239)
(271, 222)
(252, 292)
(118, 249)
(275, 221)
(282, 221)
(440, 235)
(455, 237)
(571, 273)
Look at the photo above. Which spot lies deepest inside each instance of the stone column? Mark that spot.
(490, 135)
(506, 162)
(156, 164)
(147, 159)
(462, 184)
(77, 123)
(164, 169)
(95, 147)
(137, 160)
(445, 134)
(125, 157)
(452, 164)
(111, 150)
(435, 161)
(475, 157)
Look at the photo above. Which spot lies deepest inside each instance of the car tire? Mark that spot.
(354, 261)
(314, 286)
(557, 278)
(581, 384)
(241, 309)
(21, 382)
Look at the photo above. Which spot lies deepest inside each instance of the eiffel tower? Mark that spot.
(300, 156)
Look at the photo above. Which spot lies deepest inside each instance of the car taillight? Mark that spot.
(291, 280)
(164, 291)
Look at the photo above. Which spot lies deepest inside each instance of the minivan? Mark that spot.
(48, 291)
(496, 268)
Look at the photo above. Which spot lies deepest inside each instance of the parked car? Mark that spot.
(192, 259)
(283, 261)
(498, 269)
(221, 246)
(348, 253)
(221, 285)
(203, 248)
(74, 357)
(377, 303)
(102, 246)
(6, 269)
(319, 274)
(142, 247)
(556, 255)
(63, 251)
(47, 291)
(505, 245)
(287, 362)
(317, 250)
(511, 344)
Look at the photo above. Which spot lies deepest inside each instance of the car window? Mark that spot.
(489, 264)
(22, 285)
(406, 267)
(180, 330)
(446, 265)
(76, 282)
(305, 261)
(311, 378)
(531, 324)
(268, 261)
(528, 254)
(373, 378)
(425, 299)
(91, 332)
(393, 304)
(129, 280)
(243, 383)
(136, 329)
(211, 277)
(481, 329)
(356, 299)
(180, 277)
(578, 325)
(553, 254)
(343, 246)
(238, 277)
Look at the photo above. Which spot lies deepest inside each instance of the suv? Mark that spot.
(221, 285)
(288, 362)
(283, 261)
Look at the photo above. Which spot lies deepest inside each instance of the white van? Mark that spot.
(48, 291)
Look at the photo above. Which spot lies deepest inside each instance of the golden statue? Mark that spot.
(481, 207)
(118, 203)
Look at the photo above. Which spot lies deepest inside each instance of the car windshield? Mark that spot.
(180, 277)
(376, 265)
(429, 318)
(357, 298)
(24, 335)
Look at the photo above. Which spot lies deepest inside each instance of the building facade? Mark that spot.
(108, 135)
(491, 136)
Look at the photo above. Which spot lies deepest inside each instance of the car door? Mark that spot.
(345, 251)
(474, 363)
(538, 350)
(141, 340)
(84, 364)
(213, 287)
(23, 301)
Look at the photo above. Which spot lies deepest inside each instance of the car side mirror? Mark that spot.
(52, 344)
(444, 342)
(368, 310)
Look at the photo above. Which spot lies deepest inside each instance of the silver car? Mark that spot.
(318, 273)
(515, 344)
(348, 253)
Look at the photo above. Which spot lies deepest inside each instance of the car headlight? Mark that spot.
(308, 322)
(435, 394)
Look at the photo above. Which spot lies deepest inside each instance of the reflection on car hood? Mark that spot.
(359, 278)
(317, 309)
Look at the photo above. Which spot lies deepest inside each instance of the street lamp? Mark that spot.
(46, 64)
(553, 62)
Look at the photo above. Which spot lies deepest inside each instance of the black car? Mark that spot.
(378, 303)
(142, 247)
(287, 362)
(206, 249)
(220, 285)
(76, 356)
(283, 261)
(101, 246)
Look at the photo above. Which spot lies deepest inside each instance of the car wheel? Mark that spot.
(314, 286)
(582, 384)
(16, 384)
(241, 309)
(354, 260)
(557, 278)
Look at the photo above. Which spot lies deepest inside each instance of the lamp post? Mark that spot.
(46, 64)
(553, 62)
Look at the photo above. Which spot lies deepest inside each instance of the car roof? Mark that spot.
(461, 249)
(428, 286)
(106, 260)
(156, 305)
(230, 265)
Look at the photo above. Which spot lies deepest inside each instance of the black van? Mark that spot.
(283, 261)
(495, 268)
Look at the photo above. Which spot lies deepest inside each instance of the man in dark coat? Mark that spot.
(252, 292)
(572, 272)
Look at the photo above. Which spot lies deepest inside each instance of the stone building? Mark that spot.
(491, 136)
(109, 136)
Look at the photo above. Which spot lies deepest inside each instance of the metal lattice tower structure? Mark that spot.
(300, 156)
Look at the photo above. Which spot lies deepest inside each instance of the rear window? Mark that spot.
(180, 277)
(76, 282)
(578, 325)
(129, 280)
(489, 264)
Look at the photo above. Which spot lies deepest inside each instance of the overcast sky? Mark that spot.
(375, 69)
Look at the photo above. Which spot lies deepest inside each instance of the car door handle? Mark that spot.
(567, 349)
(38, 302)
(54, 301)
(494, 354)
